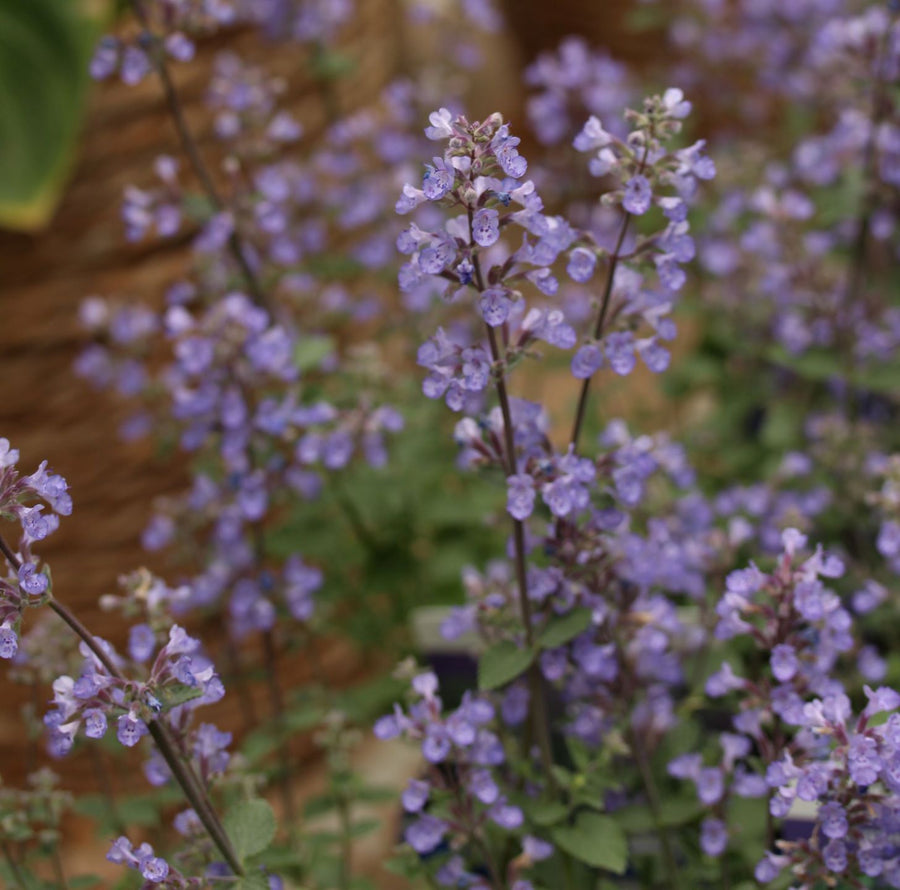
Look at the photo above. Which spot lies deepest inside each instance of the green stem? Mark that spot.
(598, 327)
(58, 869)
(652, 793)
(18, 877)
(345, 867)
(354, 518)
(537, 698)
(614, 259)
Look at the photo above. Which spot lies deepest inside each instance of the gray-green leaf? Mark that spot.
(562, 628)
(501, 664)
(250, 825)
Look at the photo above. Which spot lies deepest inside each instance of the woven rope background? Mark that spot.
(45, 410)
(539, 26)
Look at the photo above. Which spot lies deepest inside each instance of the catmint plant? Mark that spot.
(154, 702)
(539, 617)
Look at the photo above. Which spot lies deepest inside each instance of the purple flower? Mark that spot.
(835, 856)
(888, 542)
(638, 195)
(481, 783)
(94, 723)
(31, 582)
(415, 795)
(438, 180)
(141, 642)
(863, 760)
(485, 227)
(154, 869)
(784, 662)
(587, 361)
(592, 136)
(121, 851)
(425, 834)
(536, 849)
(386, 727)
(713, 837)
(495, 304)
(508, 157)
(520, 496)
(130, 730)
(506, 815)
(582, 263)
(105, 59)
(710, 785)
(9, 642)
(436, 746)
(441, 126)
(769, 867)
(619, 347)
(833, 820)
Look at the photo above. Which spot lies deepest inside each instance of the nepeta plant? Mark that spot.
(643, 707)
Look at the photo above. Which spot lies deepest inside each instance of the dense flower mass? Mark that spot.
(670, 682)
(23, 501)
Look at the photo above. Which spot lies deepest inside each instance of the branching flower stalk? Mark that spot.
(181, 769)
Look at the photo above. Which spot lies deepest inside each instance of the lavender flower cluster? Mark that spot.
(643, 706)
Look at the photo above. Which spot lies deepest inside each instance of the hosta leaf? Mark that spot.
(45, 47)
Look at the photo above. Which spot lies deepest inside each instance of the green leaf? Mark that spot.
(594, 839)
(546, 812)
(562, 628)
(178, 694)
(250, 824)
(45, 47)
(673, 813)
(501, 664)
(811, 365)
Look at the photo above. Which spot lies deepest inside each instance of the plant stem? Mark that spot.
(191, 150)
(598, 327)
(58, 870)
(14, 866)
(180, 768)
(537, 699)
(652, 793)
(354, 518)
(345, 865)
